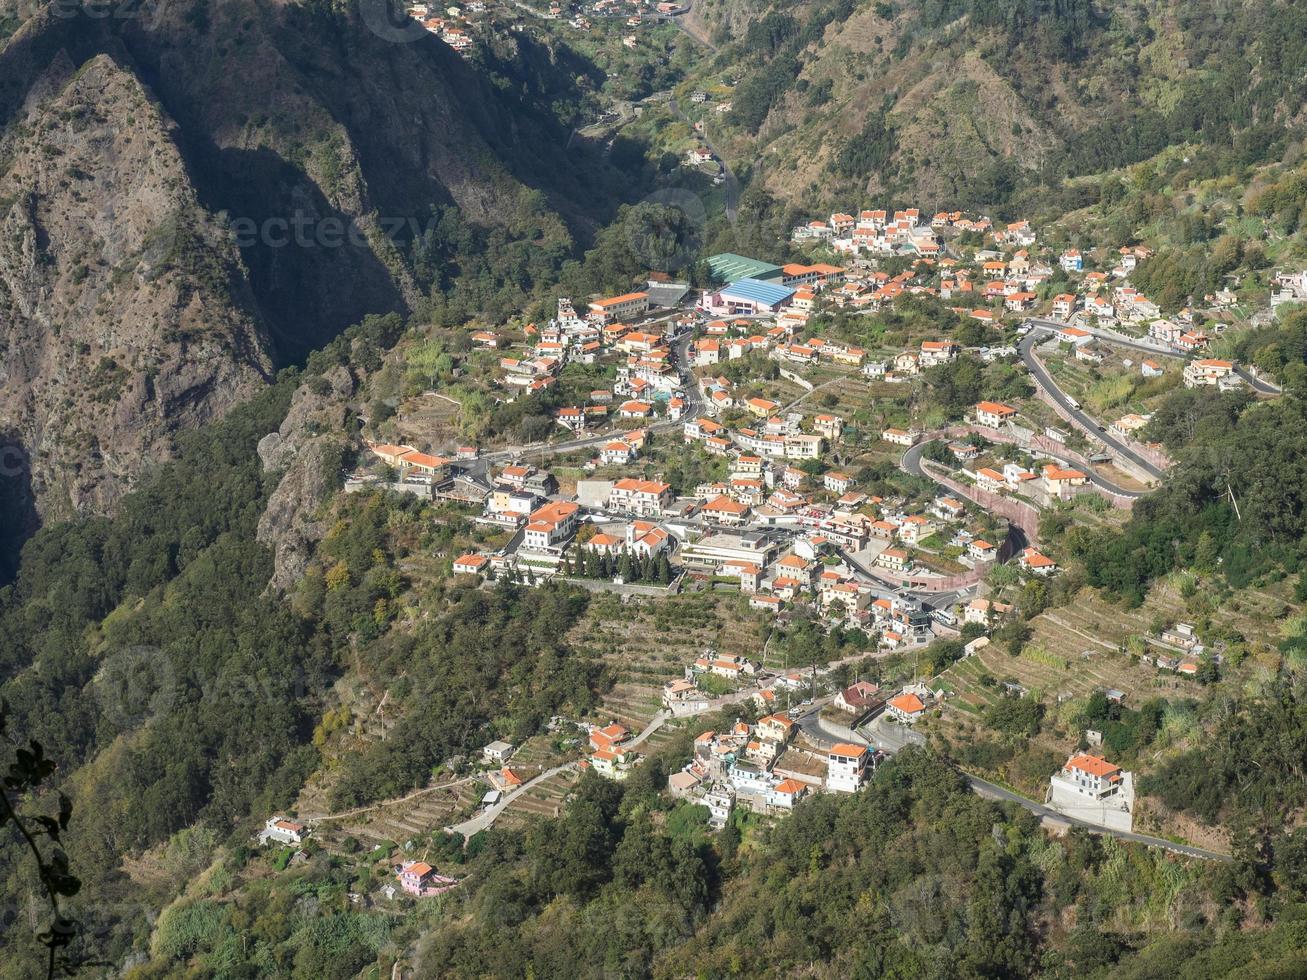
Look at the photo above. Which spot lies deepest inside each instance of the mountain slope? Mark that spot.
(970, 102)
(194, 194)
(124, 316)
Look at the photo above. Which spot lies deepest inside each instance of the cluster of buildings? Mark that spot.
(451, 24)
(758, 767)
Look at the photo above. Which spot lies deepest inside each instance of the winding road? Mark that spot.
(911, 464)
(1260, 385)
(1086, 423)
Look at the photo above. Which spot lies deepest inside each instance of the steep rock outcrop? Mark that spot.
(306, 450)
(125, 314)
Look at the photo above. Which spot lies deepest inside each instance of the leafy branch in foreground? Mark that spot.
(29, 770)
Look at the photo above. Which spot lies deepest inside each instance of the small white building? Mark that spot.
(283, 831)
(497, 751)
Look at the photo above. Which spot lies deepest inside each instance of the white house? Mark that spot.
(846, 767)
(283, 831)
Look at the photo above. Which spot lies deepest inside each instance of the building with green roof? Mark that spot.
(729, 267)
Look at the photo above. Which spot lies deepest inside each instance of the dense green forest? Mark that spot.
(1234, 501)
(916, 877)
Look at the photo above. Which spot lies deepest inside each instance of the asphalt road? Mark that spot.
(911, 464)
(1085, 422)
(995, 792)
(1148, 347)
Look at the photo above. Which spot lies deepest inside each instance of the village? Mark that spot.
(458, 26)
(743, 393)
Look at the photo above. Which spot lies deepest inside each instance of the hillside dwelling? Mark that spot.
(1074, 335)
(994, 414)
(1092, 789)
(725, 510)
(1037, 563)
(937, 352)
(857, 698)
(280, 830)
(1072, 261)
(1207, 371)
(986, 612)
(778, 727)
(471, 564)
(981, 550)
(1058, 480)
(1150, 369)
(643, 498)
(899, 437)
(948, 509)
(895, 559)
(829, 426)
(802, 445)
(846, 767)
(615, 764)
(615, 308)
(990, 480)
(609, 736)
(906, 707)
(785, 794)
(420, 880)
(836, 482)
(550, 526)
(497, 752)
(1064, 304)
(617, 453)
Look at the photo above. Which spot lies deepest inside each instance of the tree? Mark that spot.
(27, 773)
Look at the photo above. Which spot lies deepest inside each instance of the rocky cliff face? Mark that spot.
(194, 193)
(124, 315)
(306, 451)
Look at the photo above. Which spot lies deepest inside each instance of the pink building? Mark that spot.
(420, 879)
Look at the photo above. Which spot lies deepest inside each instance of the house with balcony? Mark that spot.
(847, 767)
(1090, 788)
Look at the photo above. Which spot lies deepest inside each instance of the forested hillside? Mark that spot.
(993, 102)
(207, 631)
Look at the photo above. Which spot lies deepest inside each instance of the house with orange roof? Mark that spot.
(615, 763)
(906, 707)
(1207, 371)
(895, 559)
(645, 498)
(471, 564)
(1090, 788)
(785, 794)
(725, 510)
(550, 526)
(994, 414)
(847, 767)
(1036, 562)
(624, 307)
(1060, 481)
(778, 727)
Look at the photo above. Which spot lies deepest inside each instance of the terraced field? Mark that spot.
(646, 643)
(545, 799)
(1074, 650)
(405, 820)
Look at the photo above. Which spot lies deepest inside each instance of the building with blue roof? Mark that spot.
(747, 297)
